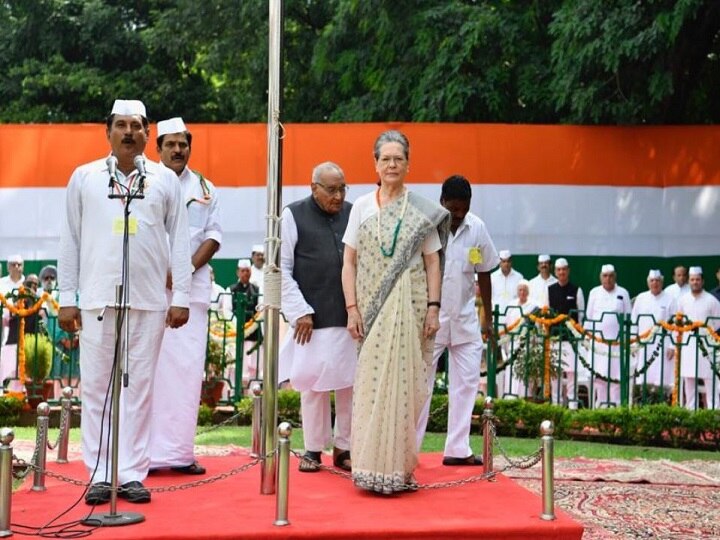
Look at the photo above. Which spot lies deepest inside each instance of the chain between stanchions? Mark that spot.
(163, 489)
(63, 422)
(522, 463)
(214, 427)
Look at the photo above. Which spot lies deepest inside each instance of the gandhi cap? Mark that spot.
(243, 263)
(607, 269)
(505, 254)
(655, 274)
(129, 107)
(258, 248)
(543, 258)
(15, 259)
(172, 125)
(695, 271)
(561, 263)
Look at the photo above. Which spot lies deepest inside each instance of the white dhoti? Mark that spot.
(326, 363)
(178, 381)
(97, 343)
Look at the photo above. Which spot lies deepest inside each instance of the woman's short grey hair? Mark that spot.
(390, 137)
(326, 166)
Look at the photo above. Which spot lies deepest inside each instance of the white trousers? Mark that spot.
(97, 342)
(690, 387)
(601, 392)
(317, 422)
(463, 379)
(176, 398)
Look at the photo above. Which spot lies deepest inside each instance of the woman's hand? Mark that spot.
(355, 324)
(432, 322)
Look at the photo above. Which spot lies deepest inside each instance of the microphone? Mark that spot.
(112, 163)
(139, 163)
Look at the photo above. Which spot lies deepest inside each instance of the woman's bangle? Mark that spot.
(348, 308)
(430, 304)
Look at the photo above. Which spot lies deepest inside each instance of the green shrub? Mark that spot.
(10, 409)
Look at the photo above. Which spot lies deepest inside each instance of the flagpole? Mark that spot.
(272, 279)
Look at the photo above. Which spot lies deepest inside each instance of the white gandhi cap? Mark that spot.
(561, 263)
(173, 125)
(695, 271)
(505, 254)
(129, 107)
(607, 269)
(258, 248)
(543, 258)
(655, 274)
(243, 263)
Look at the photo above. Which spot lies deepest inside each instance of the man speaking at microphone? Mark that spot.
(92, 242)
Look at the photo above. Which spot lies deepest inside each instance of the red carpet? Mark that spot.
(321, 505)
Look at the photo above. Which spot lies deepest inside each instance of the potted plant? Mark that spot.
(38, 363)
(214, 383)
(529, 365)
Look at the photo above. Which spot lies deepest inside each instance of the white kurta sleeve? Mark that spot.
(69, 259)
(176, 225)
(293, 303)
(580, 305)
(353, 226)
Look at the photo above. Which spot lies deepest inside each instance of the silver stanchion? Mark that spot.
(43, 420)
(283, 474)
(6, 479)
(65, 421)
(256, 390)
(487, 419)
(548, 489)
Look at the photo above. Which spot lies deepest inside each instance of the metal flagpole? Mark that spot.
(271, 278)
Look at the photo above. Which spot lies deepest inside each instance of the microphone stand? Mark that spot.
(113, 518)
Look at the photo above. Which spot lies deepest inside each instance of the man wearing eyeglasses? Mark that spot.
(319, 352)
(181, 363)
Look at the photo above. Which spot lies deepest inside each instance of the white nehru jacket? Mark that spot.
(92, 267)
(458, 314)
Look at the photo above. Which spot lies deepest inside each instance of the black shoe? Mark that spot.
(193, 468)
(134, 492)
(99, 493)
(471, 460)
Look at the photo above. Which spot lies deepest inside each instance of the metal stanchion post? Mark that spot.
(43, 418)
(548, 489)
(283, 475)
(488, 436)
(65, 421)
(6, 478)
(256, 390)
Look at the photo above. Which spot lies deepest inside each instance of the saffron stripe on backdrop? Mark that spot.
(234, 155)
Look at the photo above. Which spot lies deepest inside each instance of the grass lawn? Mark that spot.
(434, 442)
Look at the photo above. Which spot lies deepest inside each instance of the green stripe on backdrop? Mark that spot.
(584, 270)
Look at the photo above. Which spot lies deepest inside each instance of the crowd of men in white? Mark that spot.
(514, 297)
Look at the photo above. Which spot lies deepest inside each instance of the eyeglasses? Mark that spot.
(385, 161)
(15, 264)
(49, 278)
(339, 190)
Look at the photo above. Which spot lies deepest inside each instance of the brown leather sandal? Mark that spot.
(341, 459)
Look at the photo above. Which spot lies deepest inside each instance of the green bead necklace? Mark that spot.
(391, 251)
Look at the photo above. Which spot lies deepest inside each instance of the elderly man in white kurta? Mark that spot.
(540, 283)
(181, 365)
(470, 251)
(651, 307)
(504, 283)
(90, 268)
(606, 303)
(699, 305)
(320, 351)
(680, 285)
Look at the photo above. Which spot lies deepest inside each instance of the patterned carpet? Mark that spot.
(637, 498)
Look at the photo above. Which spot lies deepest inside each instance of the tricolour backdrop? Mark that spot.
(638, 197)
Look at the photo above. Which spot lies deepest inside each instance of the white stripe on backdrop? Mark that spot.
(527, 219)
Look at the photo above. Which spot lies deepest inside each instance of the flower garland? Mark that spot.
(233, 333)
(20, 311)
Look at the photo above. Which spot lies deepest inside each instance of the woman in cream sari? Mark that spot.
(392, 273)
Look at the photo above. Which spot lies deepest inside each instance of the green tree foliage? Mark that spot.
(532, 61)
